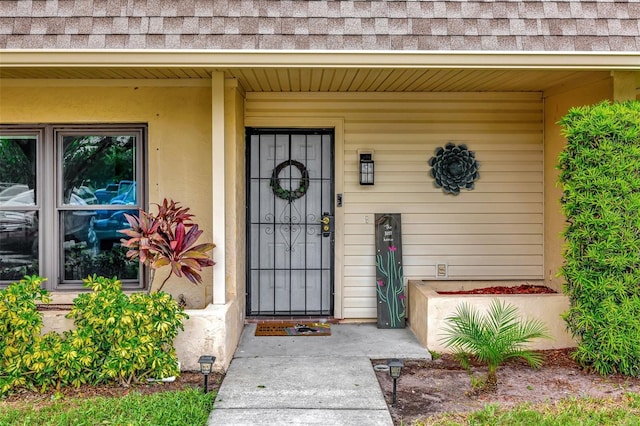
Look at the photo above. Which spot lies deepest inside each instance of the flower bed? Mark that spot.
(519, 289)
(430, 305)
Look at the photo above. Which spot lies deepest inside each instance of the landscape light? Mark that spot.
(206, 367)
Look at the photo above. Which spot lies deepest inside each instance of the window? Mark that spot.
(64, 191)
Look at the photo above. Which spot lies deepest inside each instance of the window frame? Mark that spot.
(49, 200)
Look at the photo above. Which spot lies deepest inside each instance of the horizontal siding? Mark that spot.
(414, 252)
(389, 176)
(436, 197)
(418, 188)
(458, 239)
(351, 312)
(425, 230)
(432, 208)
(453, 219)
(492, 232)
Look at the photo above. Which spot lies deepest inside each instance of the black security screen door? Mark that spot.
(290, 222)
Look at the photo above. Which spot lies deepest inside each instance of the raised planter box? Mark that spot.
(428, 310)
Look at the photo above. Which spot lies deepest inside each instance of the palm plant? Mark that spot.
(493, 338)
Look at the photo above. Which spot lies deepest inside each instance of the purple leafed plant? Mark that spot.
(167, 239)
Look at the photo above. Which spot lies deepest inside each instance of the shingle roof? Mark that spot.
(323, 25)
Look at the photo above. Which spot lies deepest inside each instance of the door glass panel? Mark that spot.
(99, 169)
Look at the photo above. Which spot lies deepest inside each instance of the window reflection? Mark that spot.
(22, 199)
(121, 193)
(92, 244)
(99, 169)
(18, 165)
(14, 193)
(18, 244)
(18, 214)
(17, 169)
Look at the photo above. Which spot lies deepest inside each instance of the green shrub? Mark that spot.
(28, 359)
(22, 357)
(600, 178)
(133, 335)
(117, 337)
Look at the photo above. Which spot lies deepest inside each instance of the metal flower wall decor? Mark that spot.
(454, 168)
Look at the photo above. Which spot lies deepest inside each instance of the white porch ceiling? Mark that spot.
(404, 80)
(268, 79)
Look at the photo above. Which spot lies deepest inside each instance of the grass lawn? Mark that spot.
(569, 412)
(185, 408)
(192, 407)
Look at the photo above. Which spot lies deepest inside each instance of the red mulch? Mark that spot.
(521, 289)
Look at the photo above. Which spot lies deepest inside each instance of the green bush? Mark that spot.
(117, 337)
(22, 359)
(28, 359)
(600, 178)
(133, 335)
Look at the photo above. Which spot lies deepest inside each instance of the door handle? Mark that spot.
(327, 224)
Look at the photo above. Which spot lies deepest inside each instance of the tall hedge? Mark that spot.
(600, 178)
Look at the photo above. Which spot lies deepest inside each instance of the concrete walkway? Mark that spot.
(325, 380)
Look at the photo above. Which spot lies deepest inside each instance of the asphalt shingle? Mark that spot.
(549, 25)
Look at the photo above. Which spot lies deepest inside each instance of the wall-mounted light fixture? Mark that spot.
(366, 168)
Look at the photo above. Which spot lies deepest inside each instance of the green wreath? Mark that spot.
(285, 194)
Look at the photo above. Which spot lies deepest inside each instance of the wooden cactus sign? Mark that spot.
(389, 278)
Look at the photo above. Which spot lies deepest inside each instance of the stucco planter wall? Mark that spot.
(428, 310)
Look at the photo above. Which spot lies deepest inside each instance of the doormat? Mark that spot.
(293, 329)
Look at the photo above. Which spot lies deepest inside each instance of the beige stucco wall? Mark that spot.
(179, 151)
(555, 107)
